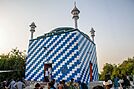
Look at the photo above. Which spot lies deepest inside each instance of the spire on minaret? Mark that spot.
(92, 34)
(75, 12)
(32, 30)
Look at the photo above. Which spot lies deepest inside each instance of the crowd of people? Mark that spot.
(123, 82)
(22, 84)
(12, 84)
(67, 85)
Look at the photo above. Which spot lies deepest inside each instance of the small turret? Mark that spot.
(75, 12)
(32, 30)
(92, 34)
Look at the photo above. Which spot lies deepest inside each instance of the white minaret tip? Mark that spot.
(32, 30)
(75, 12)
(75, 3)
(92, 34)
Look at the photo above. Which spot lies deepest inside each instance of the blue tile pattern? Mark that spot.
(70, 54)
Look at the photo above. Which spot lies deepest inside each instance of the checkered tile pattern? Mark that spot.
(87, 54)
(69, 51)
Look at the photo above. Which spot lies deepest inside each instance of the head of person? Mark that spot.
(53, 80)
(37, 86)
(98, 87)
(79, 82)
(107, 77)
(50, 84)
(41, 88)
(63, 81)
(19, 79)
(72, 80)
(60, 82)
(12, 79)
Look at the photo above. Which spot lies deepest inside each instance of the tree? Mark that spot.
(14, 60)
(126, 68)
(107, 70)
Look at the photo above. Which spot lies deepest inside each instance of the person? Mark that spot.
(64, 85)
(19, 84)
(11, 85)
(71, 84)
(27, 83)
(120, 82)
(84, 86)
(46, 75)
(107, 83)
(41, 87)
(131, 81)
(79, 85)
(115, 82)
(37, 86)
(51, 85)
(126, 83)
(60, 86)
(98, 87)
(5, 84)
(54, 82)
(50, 73)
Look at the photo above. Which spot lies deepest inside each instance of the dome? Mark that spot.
(62, 29)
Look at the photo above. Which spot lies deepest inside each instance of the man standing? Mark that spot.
(11, 85)
(55, 84)
(115, 82)
(71, 84)
(19, 84)
(46, 75)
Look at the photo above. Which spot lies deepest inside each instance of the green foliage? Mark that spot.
(107, 70)
(14, 60)
(126, 68)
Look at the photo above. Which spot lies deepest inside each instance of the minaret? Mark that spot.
(92, 34)
(75, 12)
(32, 30)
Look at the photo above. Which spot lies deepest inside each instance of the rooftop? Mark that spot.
(62, 30)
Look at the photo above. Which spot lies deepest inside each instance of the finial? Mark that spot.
(33, 25)
(75, 3)
(75, 12)
(32, 30)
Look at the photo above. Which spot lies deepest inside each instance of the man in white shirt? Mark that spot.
(50, 73)
(11, 85)
(55, 84)
(19, 85)
(46, 75)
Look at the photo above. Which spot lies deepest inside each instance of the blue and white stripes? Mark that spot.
(87, 54)
(70, 50)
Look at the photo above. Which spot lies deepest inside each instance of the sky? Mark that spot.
(113, 21)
